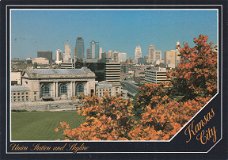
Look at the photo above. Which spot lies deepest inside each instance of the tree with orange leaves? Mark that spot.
(157, 112)
(196, 75)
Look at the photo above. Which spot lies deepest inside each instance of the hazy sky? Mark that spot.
(121, 30)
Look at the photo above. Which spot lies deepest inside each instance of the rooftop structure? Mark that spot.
(59, 73)
(17, 88)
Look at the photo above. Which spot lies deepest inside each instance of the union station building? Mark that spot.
(54, 84)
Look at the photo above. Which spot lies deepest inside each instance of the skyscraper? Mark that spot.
(79, 48)
(172, 57)
(178, 57)
(122, 57)
(138, 53)
(67, 54)
(158, 55)
(58, 59)
(100, 53)
(88, 52)
(94, 49)
(151, 54)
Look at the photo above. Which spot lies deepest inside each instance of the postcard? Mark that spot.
(108, 80)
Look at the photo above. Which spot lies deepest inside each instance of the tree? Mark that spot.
(107, 118)
(196, 75)
(157, 112)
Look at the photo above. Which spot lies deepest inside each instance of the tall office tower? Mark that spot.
(67, 54)
(79, 49)
(59, 58)
(45, 54)
(116, 56)
(94, 49)
(151, 54)
(110, 54)
(178, 57)
(122, 57)
(138, 53)
(112, 73)
(146, 59)
(170, 58)
(103, 57)
(158, 55)
(100, 53)
(88, 53)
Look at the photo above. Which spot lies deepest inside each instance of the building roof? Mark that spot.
(60, 73)
(103, 84)
(156, 69)
(19, 88)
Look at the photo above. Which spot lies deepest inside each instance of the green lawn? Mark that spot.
(41, 125)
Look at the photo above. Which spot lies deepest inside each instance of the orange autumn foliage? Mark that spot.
(196, 75)
(158, 111)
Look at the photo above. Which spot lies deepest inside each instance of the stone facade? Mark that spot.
(106, 88)
(56, 84)
(20, 94)
(15, 78)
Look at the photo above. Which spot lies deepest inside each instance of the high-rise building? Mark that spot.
(110, 54)
(141, 60)
(112, 73)
(155, 75)
(172, 57)
(100, 53)
(122, 57)
(116, 56)
(94, 49)
(178, 57)
(79, 49)
(103, 57)
(59, 57)
(67, 54)
(45, 54)
(138, 53)
(151, 54)
(158, 55)
(88, 53)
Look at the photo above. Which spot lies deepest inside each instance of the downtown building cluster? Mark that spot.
(87, 72)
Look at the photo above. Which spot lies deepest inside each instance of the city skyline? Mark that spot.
(121, 30)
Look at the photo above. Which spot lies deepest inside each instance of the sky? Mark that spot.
(120, 30)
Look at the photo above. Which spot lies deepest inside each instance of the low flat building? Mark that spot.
(40, 60)
(67, 65)
(155, 75)
(20, 93)
(106, 88)
(56, 84)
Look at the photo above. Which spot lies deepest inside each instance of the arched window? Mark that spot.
(45, 90)
(63, 89)
(80, 89)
